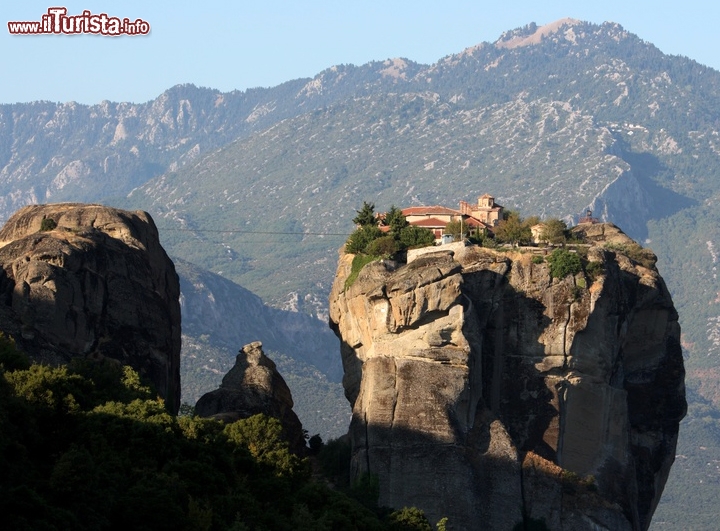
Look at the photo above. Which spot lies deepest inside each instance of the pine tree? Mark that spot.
(395, 219)
(366, 215)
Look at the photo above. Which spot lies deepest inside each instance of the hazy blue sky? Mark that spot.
(242, 44)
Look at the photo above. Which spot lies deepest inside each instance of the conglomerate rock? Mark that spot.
(251, 387)
(92, 281)
(488, 392)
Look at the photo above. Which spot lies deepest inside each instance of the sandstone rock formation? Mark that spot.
(486, 391)
(251, 387)
(97, 283)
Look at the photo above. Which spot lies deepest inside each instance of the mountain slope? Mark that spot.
(60, 152)
(550, 120)
(475, 122)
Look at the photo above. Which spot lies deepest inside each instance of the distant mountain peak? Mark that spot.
(532, 34)
(394, 68)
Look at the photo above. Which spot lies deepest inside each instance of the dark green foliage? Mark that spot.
(577, 292)
(490, 243)
(366, 215)
(413, 236)
(315, 443)
(85, 448)
(320, 508)
(409, 519)
(554, 231)
(47, 224)
(111, 381)
(478, 238)
(384, 247)
(575, 238)
(11, 358)
(366, 490)
(594, 269)
(456, 229)
(563, 263)
(186, 410)
(513, 229)
(263, 437)
(51, 389)
(538, 259)
(361, 238)
(395, 219)
(334, 459)
(369, 239)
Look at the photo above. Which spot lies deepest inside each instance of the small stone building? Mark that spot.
(486, 210)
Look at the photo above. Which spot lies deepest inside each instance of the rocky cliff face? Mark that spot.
(486, 391)
(251, 387)
(97, 283)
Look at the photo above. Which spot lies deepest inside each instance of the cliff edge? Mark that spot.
(92, 281)
(487, 391)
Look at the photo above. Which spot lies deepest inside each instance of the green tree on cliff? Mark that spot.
(367, 230)
(366, 215)
(361, 238)
(563, 263)
(368, 238)
(554, 231)
(407, 235)
(395, 219)
(513, 229)
(413, 236)
(409, 519)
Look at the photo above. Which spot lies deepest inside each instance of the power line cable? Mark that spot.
(240, 231)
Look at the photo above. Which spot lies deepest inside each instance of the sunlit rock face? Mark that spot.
(92, 281)
(486, 391)
(254, 386)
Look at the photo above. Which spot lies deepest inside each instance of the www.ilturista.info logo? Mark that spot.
(57, 22)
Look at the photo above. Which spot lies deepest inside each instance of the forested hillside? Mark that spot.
(89, 447)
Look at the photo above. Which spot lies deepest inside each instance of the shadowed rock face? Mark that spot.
(99, 284)
(485, 391)
(254, 386)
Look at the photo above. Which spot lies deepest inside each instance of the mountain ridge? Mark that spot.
(604, 119)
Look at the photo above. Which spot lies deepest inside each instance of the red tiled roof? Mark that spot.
(472, 222)
(435, 210)
(430, 223)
